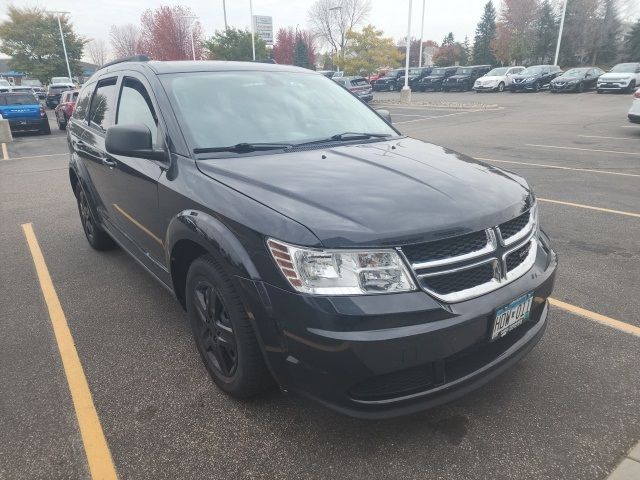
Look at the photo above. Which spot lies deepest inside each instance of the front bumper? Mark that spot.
(367, 97)
(381, 87)
(485, 88)
(565, 87)
(380, 356)
(613, 86)
(522, 87)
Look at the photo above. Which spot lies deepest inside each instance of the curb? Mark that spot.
(629, 467)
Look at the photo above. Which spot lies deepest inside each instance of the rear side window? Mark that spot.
(82, 106)
(136, 107)
(102, 104)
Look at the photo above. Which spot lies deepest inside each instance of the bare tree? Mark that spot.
(125, 40)
(97, 51)
(330, 20)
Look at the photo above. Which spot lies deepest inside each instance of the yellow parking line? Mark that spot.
(582, 149)
(5, 152)
(546, 165)
(596, 317)
(95, 445)
(599, 209)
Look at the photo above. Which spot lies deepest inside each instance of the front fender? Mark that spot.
(213, 236)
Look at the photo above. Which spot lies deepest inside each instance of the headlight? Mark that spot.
(529, 79)
(341, 272)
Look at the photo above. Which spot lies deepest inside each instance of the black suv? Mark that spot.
(535, 78)
(380, 280)
(415, 75)
(465, 77)
(435, 79)
(389, 82)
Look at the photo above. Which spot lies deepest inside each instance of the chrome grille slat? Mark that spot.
(458, 277)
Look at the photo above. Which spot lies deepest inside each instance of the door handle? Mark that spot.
(109, 163)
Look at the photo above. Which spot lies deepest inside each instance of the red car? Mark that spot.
(64, 110)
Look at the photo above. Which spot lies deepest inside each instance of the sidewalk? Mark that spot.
(629, 467)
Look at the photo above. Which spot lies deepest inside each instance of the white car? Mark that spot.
(5, 86)
(497, 79)
(634, 111)
(622, 77)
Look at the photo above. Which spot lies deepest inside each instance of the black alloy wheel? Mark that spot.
(96, 236)
(580, 87)
(501, 87)
(223, 333)
(536, 87)
(215, 333)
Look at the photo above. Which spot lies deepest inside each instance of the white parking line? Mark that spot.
(5, 152)
(40, 156)
(582, 149)
(431, 118)
(545, 165)
(610, 138)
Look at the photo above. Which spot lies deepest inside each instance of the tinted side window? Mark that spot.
(103, 103)
(82, 106)
(136, 107)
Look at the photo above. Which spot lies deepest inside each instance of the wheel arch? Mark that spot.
(192, 234)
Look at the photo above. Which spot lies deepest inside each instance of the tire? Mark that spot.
(45, 128)
(580, 88)
(632, 86)
(392, 87)
(501, 87)
(222, 331)
(96, 236)
(62, 125)
(536, 87)
(422, 89)
(599, 91)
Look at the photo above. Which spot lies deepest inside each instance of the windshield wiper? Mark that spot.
(347, 136)
(244, 148)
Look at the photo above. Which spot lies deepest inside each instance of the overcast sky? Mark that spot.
(93, 18)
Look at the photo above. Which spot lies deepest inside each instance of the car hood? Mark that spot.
(433, 78)
(610, 75)
(520, 77)
(456, 77)
(562, 78)
(383, 193)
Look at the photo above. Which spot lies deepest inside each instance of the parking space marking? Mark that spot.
(432, 117)
(545, 165)
(40, 156)
(5, 152)
(582, 149)
(589, 207)
(596, 317)
(610, 138)
(95, 445)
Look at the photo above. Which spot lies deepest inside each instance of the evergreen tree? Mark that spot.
(448, 40)
(632, 46)
(466, 48)
(606, 51)
(301, 53)
(546, 33)
(485, 34)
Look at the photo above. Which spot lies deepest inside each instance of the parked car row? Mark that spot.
(482, 78)
(356, 85)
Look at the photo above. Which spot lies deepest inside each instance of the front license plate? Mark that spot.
(510, 316)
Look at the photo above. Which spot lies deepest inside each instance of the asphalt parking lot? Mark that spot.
(567, 411)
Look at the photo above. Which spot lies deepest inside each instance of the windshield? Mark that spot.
(4, 83)
(266, 107)
(532, 71)
(497, 72)
(625, 68)
(340, 81)
(18, 99)
(61, 80)
(464, 71)
(438, 72)
(415, 71)
(58, 89)
(575, 72)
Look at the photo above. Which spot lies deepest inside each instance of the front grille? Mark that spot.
(397, 384)
(458, 268)
(450, 247)
(512, 227)
(515, 258)
(461, 280)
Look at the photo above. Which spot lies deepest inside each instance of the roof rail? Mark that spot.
(135, 58)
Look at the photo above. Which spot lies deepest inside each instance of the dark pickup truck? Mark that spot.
(24, 112)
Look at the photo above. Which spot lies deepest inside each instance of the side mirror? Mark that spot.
(133, 140)
(385, 115)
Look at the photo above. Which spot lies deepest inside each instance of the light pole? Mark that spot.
(337, 8)
(405, 94)
(253, 35)
(64, 46)
(224, 11)
(421, 35)
(564, 11)
(192, 20)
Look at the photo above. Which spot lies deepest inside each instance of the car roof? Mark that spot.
(189, 66)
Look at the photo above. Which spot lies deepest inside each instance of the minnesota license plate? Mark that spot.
(512, 315)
